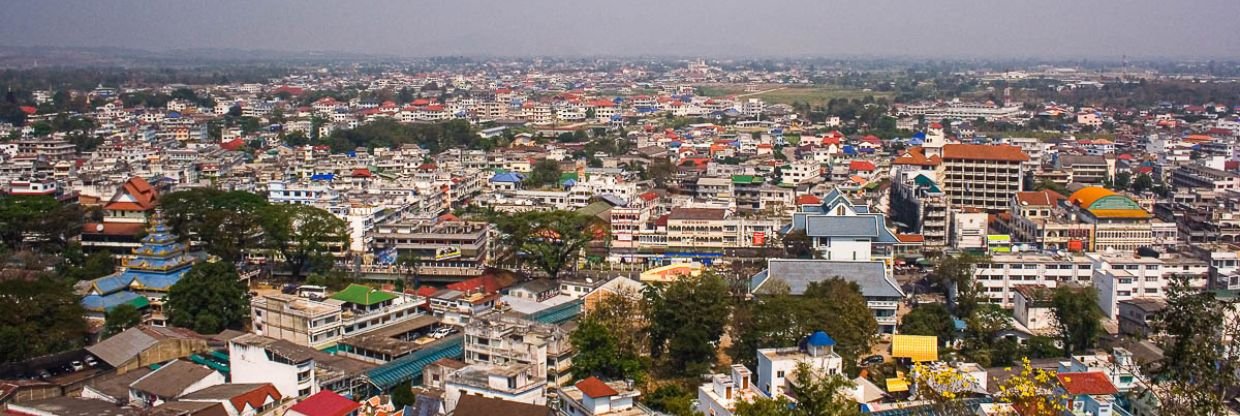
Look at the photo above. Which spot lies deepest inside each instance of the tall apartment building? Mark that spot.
(973, 176)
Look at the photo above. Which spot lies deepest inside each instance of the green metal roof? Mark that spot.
(746, 179)
(362, 295)
(410, 366)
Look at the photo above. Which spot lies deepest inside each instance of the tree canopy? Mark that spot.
(120, 318)
(39, 316)
(687, 317)
(1199, 363)
(303, 235)
(209, 298)
(782, 320)
(550, 240)
(1077, 317)
(38, 222)
(227, 224)
(931, 319)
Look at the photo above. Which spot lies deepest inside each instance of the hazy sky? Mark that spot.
(949, 28)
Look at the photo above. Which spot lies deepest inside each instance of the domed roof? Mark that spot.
(1103, 203)
(820, 339)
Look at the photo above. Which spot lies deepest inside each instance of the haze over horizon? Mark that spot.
(1203, 29)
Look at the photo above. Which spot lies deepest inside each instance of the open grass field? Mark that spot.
(780, 94)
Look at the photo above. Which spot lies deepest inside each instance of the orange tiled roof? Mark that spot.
(1039, 198)
(595, 388)
(1002, 152)
(1091, 383)
(916, 156)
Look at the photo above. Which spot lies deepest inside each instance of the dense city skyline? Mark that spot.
(953, 28)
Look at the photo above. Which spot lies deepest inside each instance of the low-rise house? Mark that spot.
(594, 397)
(171, 382)
(1088, 393)
(239, 399)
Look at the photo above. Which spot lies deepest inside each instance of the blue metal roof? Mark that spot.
(105, 303)
(507, 177)
(410, 366)
(322, 177)
(820, 339)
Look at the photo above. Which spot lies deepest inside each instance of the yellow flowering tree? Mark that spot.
(942, 387)
(1032, 391)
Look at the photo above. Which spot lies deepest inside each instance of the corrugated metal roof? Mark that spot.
(410, 366)
(122, 347)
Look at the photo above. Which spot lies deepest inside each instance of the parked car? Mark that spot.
(872, 360)
(43, 374)
(77, 365)
(441, 332)
(90, 361)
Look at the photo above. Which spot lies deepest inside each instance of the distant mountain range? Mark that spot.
(55, 56)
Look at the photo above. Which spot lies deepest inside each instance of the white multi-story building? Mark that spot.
(999, 277)
(776, 366)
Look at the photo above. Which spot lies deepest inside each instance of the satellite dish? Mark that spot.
(99, 227)
(589, 280)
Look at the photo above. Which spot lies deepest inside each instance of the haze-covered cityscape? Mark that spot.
(560, 208)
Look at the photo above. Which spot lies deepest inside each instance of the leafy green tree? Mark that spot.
(303, 235)
(226, 224)
(1077, 317)
(545, 172)
(402, 395)
(931, 319)
(599, 353)
(39, 316)
(845, 315)
(817, 394)
(1123, 180)
(686, 318)
(120, 318)
(1199, 355)
(1143, 183)
(37, 222)
(779, 320)
(798, 245)
(96, 265)
(956, 273)
(672, 399)
(550, 240)
(209, 298)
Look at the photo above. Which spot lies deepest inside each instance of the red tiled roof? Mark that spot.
(362, 173)
(255, 398)
(595, 388)
(649, 196)
(28, 109)
(1000, 152)
(140, 190)
(911, 238)
(233, 144)
(484, 284)
(916, 156)
(325, 403)
(861, 165)
(808, 200)
(1094, 382)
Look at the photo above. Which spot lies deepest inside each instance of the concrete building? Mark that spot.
(504, 339)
